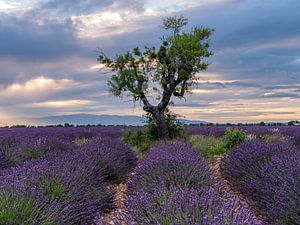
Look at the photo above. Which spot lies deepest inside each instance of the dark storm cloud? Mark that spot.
(75, 6)
(255, 40)
(83, 7)
(25, 39)
(252, 22)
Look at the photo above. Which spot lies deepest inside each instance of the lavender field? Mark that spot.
(89, 175)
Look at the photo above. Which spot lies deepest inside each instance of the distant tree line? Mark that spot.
(290, 123)
(63, 125)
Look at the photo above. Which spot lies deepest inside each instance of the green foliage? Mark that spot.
(169, 70)
(32, 153)
(208, 146)
(234, 137)
(178, 59)
(175, 23)
(139, 140)
(175, 127)
(142, 140)
(54, 189)
(15, 209)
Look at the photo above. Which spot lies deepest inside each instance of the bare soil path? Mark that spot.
(226, 189)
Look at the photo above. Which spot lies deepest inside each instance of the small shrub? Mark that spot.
(234, 137)
(139, 140)
(142, 140)
(208, 146)
(175, 127)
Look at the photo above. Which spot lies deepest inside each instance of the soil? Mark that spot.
(228, 190)
(118, 210)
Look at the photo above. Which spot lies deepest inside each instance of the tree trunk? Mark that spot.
(162, 127)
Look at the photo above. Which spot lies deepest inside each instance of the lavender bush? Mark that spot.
(64, 187)
(173, 185)
(171, 163)
(20, 144)
(29, 149)
(115, 158)
(59, 191)
(178, 205)
(267, 173)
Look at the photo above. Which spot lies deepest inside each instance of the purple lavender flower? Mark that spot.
(268, 174)
(173, 185)
(171, 163)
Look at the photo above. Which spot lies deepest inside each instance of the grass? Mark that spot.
(15, 209)
(273, 137)
(140, 141)
(54, 189)
(81, 141)
(208, 146)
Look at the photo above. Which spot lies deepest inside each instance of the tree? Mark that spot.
(167, 71)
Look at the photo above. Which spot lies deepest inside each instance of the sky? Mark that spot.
(48, 56)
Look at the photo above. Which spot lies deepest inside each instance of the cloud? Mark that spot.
(74, 6)
(280, 95)
(27, 38)
(254, 71)
(5, 6)
(62, 104)
(84, 7)
(36, 89)
(38, 85)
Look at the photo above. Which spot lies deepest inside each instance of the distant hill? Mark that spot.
(84, 119)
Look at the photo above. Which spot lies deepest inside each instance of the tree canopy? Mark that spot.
(169, 70)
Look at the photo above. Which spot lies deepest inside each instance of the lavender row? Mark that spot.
(21, 144)
(65, 187)
(173, 185)
(269, 175)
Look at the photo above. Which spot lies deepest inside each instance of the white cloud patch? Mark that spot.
(37, 86)
(4, 5)
(107, 23)
(63, 104)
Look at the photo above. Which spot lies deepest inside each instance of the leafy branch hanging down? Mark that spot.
(172, 68)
